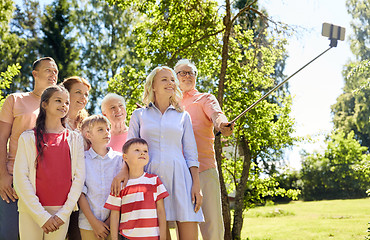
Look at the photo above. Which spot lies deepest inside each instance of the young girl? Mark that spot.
(49, 170)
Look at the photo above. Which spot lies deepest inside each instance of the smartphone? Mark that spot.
(333, 32)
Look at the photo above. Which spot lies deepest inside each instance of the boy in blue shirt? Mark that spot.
(102, 164)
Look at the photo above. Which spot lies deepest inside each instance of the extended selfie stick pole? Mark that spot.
(333, 43)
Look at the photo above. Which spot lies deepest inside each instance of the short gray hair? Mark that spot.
(111, 96)
(188, 63)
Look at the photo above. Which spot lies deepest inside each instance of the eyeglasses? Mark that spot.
(184, 73)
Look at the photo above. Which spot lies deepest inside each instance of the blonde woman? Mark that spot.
(172, 149)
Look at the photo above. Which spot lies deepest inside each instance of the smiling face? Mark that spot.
(164, 83)
(79, 94)
(99, 134)
(187, 82)
(136, 155)
(115, 110)
(58, 105)
(46, 74)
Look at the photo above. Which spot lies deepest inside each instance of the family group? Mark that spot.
(67, 175)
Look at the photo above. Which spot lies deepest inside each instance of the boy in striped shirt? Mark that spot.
(140, 204)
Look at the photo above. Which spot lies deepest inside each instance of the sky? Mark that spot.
(316, 87)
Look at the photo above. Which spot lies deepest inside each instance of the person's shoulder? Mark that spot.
(28, 134)
(73, 133)
(139, 111)
(114, 154)
(150, 175)
(86, 153)
(209, 96)
(20, 94)
(16, 96)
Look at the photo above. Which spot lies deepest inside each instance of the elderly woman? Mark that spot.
(172, 149)
(114, 108)
(78, 89)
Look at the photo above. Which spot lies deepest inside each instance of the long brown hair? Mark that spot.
(40, 121)
(68, 83)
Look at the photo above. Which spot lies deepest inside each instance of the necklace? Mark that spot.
(35, 94)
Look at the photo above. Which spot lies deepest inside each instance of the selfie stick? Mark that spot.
(334, 33)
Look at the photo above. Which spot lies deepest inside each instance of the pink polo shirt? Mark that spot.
(20, 110)
(201, 107)
(117, 141)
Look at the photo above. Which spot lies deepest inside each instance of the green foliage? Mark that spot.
(161, 36)
(351, 112)
(288, 179)
(171, 30)
(26, 24)
(10, 44)
(59, 41)
(106, 41)
(261, 190)
(361, 71)
(359, 9)
(6, 79)
(5, 16)
(334, 173)
(129, 83)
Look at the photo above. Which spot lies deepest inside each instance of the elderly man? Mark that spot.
(206, 115)
(18, 114)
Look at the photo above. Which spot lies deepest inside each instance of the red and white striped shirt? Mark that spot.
(137, 204)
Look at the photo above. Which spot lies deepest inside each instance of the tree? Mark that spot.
(232, 65)
(6, 78)
(59, 41)
(351, 112)
(27, 26)
(10, 47)
(106, 42)
(335, 174)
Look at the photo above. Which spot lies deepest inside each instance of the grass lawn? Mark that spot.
(335, 219)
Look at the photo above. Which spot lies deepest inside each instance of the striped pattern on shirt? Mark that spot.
(137, 204)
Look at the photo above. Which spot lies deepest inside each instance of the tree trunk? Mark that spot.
(218, 146)
(224, 195)
(240, 189)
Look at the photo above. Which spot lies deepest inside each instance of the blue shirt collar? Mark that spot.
(93, 154)
(151, 105)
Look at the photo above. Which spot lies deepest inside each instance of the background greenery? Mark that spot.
(240, 54)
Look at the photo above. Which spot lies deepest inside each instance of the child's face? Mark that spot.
(137, 155)
(99, 134)
(58, 105)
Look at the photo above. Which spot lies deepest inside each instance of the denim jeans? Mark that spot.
(9, 220)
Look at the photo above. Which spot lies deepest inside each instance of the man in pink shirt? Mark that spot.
(206, 114)
(19, 113)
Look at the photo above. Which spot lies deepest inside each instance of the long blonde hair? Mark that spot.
(149, 93)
